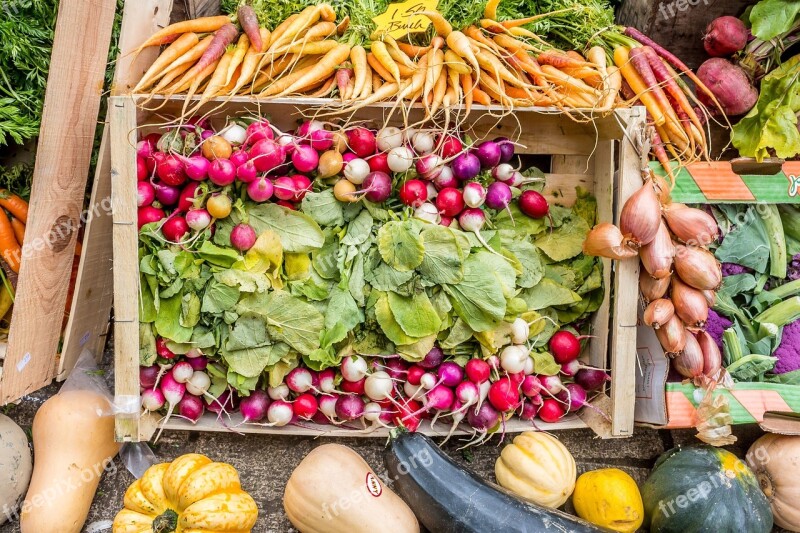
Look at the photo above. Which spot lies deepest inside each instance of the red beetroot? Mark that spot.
(730, 85)
(725, 36)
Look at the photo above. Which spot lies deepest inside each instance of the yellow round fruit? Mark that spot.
(609, 498)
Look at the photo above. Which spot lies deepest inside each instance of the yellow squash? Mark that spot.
(609, 498)
(538, 468)
(192, 494)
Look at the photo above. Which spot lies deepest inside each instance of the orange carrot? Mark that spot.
(560, 60)
(183, 44)
(480, 97)
(575, 55)
(189, 58)
(527, 20)
(322, 69)
(324, 90)
(10, 249)
(466, 87)
(15, 205)
(19, 230)
(378, 68)
(201, 25)
(413, 51)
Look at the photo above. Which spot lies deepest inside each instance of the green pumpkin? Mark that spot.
(704, 489)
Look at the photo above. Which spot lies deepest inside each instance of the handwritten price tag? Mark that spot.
(402, 19)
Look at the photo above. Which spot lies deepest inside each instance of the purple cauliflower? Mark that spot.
(788, 353)
(793, 271)
(716, 326)
(732, 269)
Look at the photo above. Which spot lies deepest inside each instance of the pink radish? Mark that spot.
(260, 189)
(182, 372)
(266, 155)
(281, 392)
(354, 368)
(152, 399)
(377, 187)
(191, 407)
(531, 386)
(349, 407)
(551, 411)
(299, 380)
(145, 194)
(254, 407)
(243, 237)
(305, 158)
(198, 219)
(222, 172)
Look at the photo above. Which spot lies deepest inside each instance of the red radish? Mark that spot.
(388, 138)
(246, 172)
(564, 346)
(281, 392)
(173, 394)
(243, 237)
(489, 154)
(478, 370)
(400, 159)
(450, 202)
(221, 404)
(591, 378)
(166, 194)
(413, 193)
(429, 166)
(280, 413)
(258, 131)
(305, 158)
(191, 407)
(254, 407)
(321, 140)
(503, 394)
(349, 407)
(379, 386)
(175, 228)
(423, 142)
(432, 359)
(222, 172)
(445, 221)
(354, 387)
(182, 372)
(725, 36)
(287, 204)
(528, 410)
(266, 154)
(198, 383)
(141, 169)
(506, 149)
(466, 166)
(379, 163)
(148, 376)
(171, 170)
(415, 373)
(445, 179)
(145, 194)
(299, 380)
(186, 198)
(730, 85)
(450, 374)
(305, 406)
(308, 127)
(260, 189)
(377, 187)
(396, 368)
(152, 399)
(198, 363)
(284, 188)
(162, 350)
(450, 146)
(354, 368)
(551, 411)
(205, 134)
(498, 195)
(239, 157)
(531, 386)
(361, 141)
(348, 156)
(356, 171)
(483, 419)
(196, 167)
(533, 204)
(474, 194)
(301, 186)
(146, 147)
(405, 416)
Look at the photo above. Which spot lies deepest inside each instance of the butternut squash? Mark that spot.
(333, 490)
(775, 460)
(73, 442)
(15, 466)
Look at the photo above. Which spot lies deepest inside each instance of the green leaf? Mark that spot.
(545, 364)
(789, 378)
(737, 284)
(216, 255)
(359, 230)
(387, 322)
(266, 256)
(752, 366)
(323, 208)
(219, 297)
(248, 331)
(321, 358)
(298, 231)
(400, 245)
(190, 310)
(478, 299)
(147, 302)
(417, 351)
(245, 281)
(147, 345)
(564, 242)
(771, 18)
(289, 319)
(311, 289)
(548, 293)
(585, 206)
(528, 256)
(357, 282)
(515, 222)
(747, 244)
(459, 334)
(415, 315)
(385, 278)
(342, 309)
(500, 268)
(167, 324)
(443, 259)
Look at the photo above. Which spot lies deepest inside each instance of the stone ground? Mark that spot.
(266, 462)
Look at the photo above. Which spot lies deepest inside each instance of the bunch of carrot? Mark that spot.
(12, 228)
(498, 63)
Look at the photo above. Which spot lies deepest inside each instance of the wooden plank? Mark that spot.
(122, 114)
(192, 9)
(140, 20)
(69, 120)
(88, 325)
(626, 288)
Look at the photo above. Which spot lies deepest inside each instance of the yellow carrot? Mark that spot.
(439, 90)
(454, 62)
(216, 83)
(201, 25)
(281, 28)
(322, 69)
(398, 55)
(460, 44)
(380, 52)
(250, 64)
(238, 56)
(622, 60)
(306, 18)
(183, 44)
(440, 25)
(358, 57)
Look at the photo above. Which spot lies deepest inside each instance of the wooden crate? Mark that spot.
(585, 153)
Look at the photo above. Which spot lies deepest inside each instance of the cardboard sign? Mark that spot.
(401, 19)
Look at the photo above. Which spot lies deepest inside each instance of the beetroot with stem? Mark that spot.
(725, 36)
(730, 84)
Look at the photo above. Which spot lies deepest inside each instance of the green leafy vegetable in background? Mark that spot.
(771, 18)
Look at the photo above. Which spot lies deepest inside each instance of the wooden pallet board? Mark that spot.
(72, 102)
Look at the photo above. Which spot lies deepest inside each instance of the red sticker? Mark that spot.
(373, 485)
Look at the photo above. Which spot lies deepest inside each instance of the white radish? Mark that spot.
(354, 368)
(520, 331)
(388, 138)
(281, 392)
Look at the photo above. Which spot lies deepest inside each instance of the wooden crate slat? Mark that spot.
(140, 20)
(69, 119)
(604, 192)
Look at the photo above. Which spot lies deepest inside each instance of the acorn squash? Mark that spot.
(704, 489)
(775, 459)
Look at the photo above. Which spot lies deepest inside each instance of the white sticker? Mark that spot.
(373, 485)
(24, 362)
